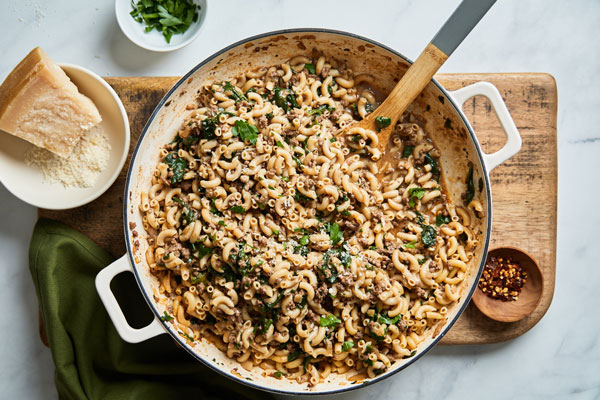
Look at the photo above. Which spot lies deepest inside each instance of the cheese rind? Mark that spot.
(39, 103)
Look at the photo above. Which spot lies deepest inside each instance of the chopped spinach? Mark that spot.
(304, 240)
(470, 186)
(200, 278)
(428, 235)
(320, 110)
(330, 271)
(303, 302)
(302, 250)
(238, 209)
(166, 16)
(293, 355)
(285, 98)
(435, 169)
(335, 234)
(415, 193)
(382, 122)
(310, 68)
(270, 306)
(166, 317)
(246, 131)
(265, 324)
(301, 197)
(410, 245)
(307, 360)
(389, 321)
(190, 140)
(442, 219)
(235, 94)
(330, 320)
(412, 353)
(407, 151)
(213, 208)
(188, 337)
(208, 127)
(188, 216)
(177, 165)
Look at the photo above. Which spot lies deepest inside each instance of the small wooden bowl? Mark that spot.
(528, 300)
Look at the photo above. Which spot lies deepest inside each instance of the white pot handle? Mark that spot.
(513, 139)
(127, 333)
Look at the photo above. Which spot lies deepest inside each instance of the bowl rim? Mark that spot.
(169, 47)
(181, 342)
(69, 203)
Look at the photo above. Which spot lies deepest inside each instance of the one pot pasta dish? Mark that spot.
(274, 235)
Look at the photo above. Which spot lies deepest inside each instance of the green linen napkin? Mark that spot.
(92, 361)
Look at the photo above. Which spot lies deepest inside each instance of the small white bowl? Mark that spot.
(154, 40)
(27, 182)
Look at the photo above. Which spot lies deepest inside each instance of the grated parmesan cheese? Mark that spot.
(82, 168)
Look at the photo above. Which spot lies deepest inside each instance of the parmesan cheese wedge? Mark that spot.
(39, 103)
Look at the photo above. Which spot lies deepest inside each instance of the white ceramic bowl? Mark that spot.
(27, 182)
(154, 40)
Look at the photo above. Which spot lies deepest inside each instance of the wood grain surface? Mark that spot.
(524, 188)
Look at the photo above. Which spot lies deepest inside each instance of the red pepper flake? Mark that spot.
(502, 279)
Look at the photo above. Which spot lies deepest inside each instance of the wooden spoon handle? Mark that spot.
(412, 83)
(456, 28)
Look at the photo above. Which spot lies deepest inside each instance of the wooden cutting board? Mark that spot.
(524, 188)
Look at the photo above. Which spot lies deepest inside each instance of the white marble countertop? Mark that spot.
(559, 358)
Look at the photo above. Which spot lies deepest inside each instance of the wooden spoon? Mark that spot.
(528, 300)
(456, 28)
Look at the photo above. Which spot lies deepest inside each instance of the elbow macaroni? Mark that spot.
(277, 238)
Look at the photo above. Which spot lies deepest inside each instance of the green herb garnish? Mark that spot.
(167, 16)
(347, 346)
